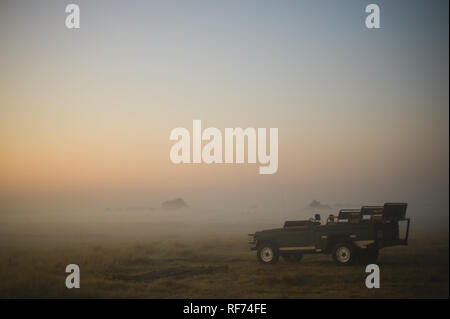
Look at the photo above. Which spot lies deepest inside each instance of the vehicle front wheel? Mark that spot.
(267, 254)
(343, 254)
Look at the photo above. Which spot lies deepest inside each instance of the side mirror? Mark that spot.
(317, 217)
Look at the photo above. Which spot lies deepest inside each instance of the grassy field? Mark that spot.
(216, 267)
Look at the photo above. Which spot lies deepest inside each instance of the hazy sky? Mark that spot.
(362, 114)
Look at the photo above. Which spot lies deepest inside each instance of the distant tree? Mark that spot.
(173, 204)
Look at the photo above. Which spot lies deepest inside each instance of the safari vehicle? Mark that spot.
(355, 234)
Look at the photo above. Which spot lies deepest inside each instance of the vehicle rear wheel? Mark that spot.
(292, 257)
(369, 255)
(267, 254)
(343, 254)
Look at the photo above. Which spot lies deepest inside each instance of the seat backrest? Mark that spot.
(376, 218)
(351, 215)
(332, 220)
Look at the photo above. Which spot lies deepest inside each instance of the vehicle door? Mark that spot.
(300, 236)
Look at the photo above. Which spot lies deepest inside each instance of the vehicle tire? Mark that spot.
(267, 254)
(370, 255)
(293, 257)
(343, 254)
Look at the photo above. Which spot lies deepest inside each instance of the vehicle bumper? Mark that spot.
(251, 241)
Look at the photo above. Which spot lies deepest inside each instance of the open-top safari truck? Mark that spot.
(353, 234)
